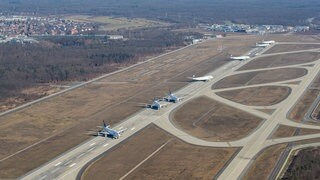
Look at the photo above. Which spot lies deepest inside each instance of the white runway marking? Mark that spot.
(57, 164)
(91, 149)
(105, 145)
(92, 144)
(121, 127)
(68, 162)
(43, 177)
(133, 128)
(80, 156)
(55, 170)
(71, 165)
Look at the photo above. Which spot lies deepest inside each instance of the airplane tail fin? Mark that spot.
(104, 124)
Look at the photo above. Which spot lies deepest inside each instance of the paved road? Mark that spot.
(68, 165)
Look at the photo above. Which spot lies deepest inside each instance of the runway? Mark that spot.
(68, 165)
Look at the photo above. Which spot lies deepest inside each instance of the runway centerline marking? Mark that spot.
(43, 177)
(57, 164)
(133, 128)
(71, 165)
(106, 145)
(79, 156)
(91, 149)
(121, 127)
(55, 170)
(92, 144)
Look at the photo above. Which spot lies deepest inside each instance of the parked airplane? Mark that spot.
(262, 45)
(173, 98)
(156, 104)
(106, 131)
(268, 42)
(202, 78)
(240, 58)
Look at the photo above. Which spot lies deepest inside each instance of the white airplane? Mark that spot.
(106, 131)
(262, 45)
(173, 98)
(268, 42)
(240, 58)
(203, 78)
(156, 104)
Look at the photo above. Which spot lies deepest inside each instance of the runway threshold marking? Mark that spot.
(57, 164)
(106, 145)
(68, 162)
(71, 165)
(92, 144)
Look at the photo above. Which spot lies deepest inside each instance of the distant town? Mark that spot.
(260, 29)
(22, 29)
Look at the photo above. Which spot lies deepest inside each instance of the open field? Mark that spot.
(108, 23)
(316, 113)
(260, 77)
(173, 160)
(49, 123)
(127, 155)
(264, 163)
(283, 131)
(207, 119)
(304, 165)
(282, 60)
(304, 103)
(268, 111)
(257, 96)
(291, 47)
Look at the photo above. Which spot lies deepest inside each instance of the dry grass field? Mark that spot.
(257, 96)
(282, 60)
(304, 103)
(291, 47)
(260, 77)
(174, 160)
(108, 23)
(264, 163)
(283, 131)
(209, 120)
(49, 123)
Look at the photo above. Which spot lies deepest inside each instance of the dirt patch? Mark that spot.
(282, 60)
(268, 111)
(257, 96)
(308, 131)
(177, 161)
(209, 120)
(174, 160)
(291, 47)
(283, 131)
(127, 155)
(260, 77)
(300, 109)
(263, 165)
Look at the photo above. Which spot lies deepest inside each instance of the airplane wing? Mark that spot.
(122, 130)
